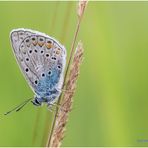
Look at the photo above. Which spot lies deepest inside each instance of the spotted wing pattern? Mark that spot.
(41, 58)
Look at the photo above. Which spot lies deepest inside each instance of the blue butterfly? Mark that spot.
(42, 60)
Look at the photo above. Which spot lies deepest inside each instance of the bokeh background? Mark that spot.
(111, 102)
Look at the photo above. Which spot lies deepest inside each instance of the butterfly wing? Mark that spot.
(38, 54)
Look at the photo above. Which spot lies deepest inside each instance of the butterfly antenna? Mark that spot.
(19, 107)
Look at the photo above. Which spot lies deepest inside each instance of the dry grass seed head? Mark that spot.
(66, 103)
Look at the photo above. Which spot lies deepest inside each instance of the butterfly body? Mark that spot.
(42, 60)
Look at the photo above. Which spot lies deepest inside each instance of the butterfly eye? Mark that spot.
(36, 82)
(41, 41)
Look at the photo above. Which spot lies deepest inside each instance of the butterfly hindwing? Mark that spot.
(39, 55)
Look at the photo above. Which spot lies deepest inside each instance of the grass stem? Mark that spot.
(80, 15)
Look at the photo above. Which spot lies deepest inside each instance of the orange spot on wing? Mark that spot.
(40, 44)
(49, 45)
(34, 43)
(58, 51)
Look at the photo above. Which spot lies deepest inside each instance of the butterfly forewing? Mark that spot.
(38, 55)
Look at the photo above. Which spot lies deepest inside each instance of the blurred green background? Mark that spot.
(111, 102)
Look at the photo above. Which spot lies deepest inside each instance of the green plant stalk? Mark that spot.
(63, 36)
(65, 77)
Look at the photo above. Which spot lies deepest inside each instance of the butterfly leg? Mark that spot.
(65, 90)
(52, 107)
(55, 104)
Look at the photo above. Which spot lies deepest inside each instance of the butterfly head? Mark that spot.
(36, 101)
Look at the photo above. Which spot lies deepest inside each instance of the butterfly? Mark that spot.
(42, 60)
